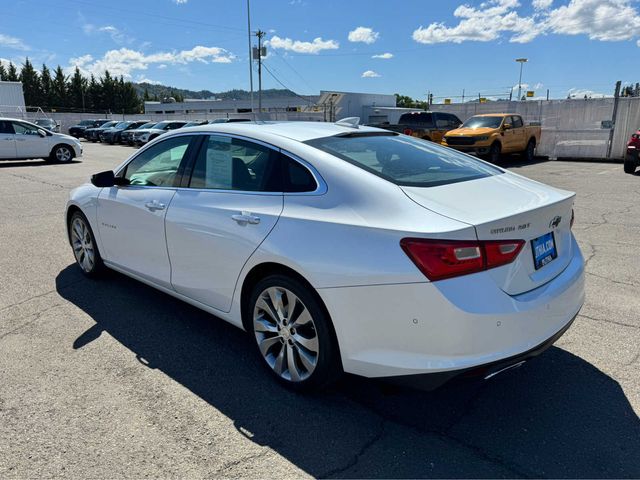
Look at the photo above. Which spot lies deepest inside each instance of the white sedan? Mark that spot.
(22, 140)
(341, 248)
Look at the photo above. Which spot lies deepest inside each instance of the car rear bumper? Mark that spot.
(450, 326)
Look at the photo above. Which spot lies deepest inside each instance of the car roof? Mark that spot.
(299, 131)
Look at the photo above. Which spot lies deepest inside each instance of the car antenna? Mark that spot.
(352, 122)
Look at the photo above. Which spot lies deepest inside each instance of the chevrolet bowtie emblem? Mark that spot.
(555, 222)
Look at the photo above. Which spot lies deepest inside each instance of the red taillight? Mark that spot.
(408, 131)
(440, 259)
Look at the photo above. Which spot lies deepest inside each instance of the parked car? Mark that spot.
(631, 161)
(142, 136)
(229, 120)
(127, 136)
(48, 124)
(490, 135)
(93, 134)
(425, 125)
(78, 130)
(112, 135)
(22, 140)
(341, 248)
(195, 123)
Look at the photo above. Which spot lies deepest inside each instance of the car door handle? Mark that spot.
(245, 218)
(155, 205)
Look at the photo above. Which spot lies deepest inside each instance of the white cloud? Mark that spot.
(605, 20)
(180, 2)
(8, 41)
(384, 56)
(364, 35)
(580, 93)
(116, 35)
(314, 47)
(542, 4)
(124, 61)
(370, 74)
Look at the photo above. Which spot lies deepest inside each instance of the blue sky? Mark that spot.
(410, 47)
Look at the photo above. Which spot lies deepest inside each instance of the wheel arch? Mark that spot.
(262, 270)
(70, 211)
(62, 144)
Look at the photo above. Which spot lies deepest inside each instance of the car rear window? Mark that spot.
(405, 160)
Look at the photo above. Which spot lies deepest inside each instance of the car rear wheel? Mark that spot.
(61, 154)
(293, 333)
(83, 243)
(629, 166)
(530, 151)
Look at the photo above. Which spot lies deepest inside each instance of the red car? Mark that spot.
(631, 158)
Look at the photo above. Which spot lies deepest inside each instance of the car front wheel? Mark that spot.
(293, 333)
(61, 154)
(84, 246)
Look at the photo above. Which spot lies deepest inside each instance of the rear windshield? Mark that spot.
(147, 125)
(483, 122)
(405, 160)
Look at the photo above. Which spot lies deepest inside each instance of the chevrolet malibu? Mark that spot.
(341, 248)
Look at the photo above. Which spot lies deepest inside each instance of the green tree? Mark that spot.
(12, 73)
(107, 92)
(404, 101)
(93, 98)
(59, 97)
(3, 72)
(145, 97)
(77, 88)
(46, 87)
(30, 84)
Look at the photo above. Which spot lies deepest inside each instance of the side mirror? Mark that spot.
(42, 133)
(107, 179)
(507, 126)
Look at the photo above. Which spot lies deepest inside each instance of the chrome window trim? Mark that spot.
(321, 185)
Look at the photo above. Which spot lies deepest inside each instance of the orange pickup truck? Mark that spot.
(493, 134)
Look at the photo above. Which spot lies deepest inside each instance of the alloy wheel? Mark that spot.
(82, 243)
(63, 154)
(286, 334)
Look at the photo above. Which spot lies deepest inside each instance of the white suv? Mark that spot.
(20, 140)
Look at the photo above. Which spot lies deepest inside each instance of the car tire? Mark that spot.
(84, 246)
(301, 354)
(629, 166)
(530, 151)
(495, 152)
(61, 154)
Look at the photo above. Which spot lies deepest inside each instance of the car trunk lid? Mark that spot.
(510, 207)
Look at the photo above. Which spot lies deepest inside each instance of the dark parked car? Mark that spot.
(631, 160)
(426, 125)
(48, 124)
(93, 134)
(229, 120)
(78, 130)
(126, 137)
(113, 135)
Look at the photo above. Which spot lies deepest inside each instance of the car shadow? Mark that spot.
(34, 163)
(558, 416)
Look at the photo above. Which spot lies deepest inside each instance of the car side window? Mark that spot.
(24, 129)
(296, 177)
(442, 121)
(226, 163)
(516, 121)
(158, 165)
(6, 127)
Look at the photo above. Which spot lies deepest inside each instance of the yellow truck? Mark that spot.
(491, 135)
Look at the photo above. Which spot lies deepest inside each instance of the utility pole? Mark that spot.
(463, 95)
(258, 56)
(250, 58)
(521, 61)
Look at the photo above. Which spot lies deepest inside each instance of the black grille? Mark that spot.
(461, 140)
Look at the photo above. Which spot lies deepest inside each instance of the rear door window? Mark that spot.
(404, 160)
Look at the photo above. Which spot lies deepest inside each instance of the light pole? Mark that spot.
(250, 56)
(521, 61)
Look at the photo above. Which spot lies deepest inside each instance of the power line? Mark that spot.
(283, 85)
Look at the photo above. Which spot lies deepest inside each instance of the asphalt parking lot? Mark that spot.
(110, 378)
